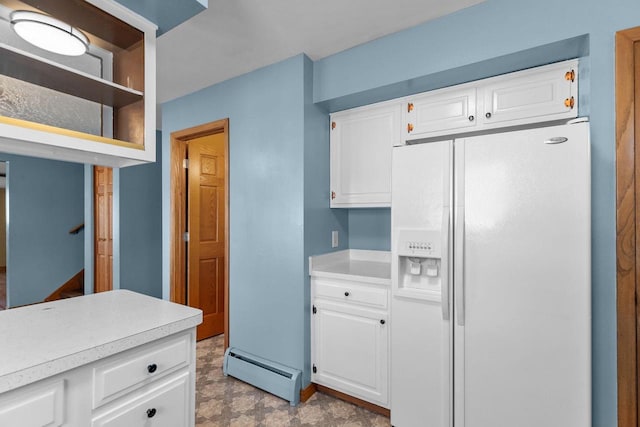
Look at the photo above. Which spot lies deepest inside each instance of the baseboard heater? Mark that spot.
(269, 376)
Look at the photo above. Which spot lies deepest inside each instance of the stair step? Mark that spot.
(71, 294)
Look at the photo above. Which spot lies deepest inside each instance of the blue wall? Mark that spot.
(141, 226)
(370, 229)
(46, 200)
(500, 36)
(272, 196)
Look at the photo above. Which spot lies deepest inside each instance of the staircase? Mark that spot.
(73, 287)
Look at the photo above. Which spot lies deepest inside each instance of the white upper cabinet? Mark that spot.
(362, 138)
(97, 107)
(540, 94)
(361, 143)
(536, 95)
(440, 110)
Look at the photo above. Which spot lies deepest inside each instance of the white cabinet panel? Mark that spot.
(121, 374)
(352, 351)
(39, 406)
(530, 96)
(361, 142)
(441, 110)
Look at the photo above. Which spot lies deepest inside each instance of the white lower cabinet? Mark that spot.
(350, 338)
(152, 385)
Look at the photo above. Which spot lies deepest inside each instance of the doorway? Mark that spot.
(200, 224)
(627, 221)
(103, 228)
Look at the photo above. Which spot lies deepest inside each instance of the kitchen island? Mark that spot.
(110, 359)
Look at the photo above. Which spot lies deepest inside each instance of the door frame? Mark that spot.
(627, 211)
(97, 218)
(178, 264)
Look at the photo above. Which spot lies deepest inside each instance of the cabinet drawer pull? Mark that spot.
(151, 412)
(409, 107)
(471, 118)
(346, 294)
(382, 322)
(488, 115)
(152, 368)
(409, 128)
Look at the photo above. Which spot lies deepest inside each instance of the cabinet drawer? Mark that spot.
(133, 369)
(165, 405)
(351, 292)
(38, 406)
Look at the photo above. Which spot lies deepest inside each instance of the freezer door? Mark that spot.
(522, 353)
(420, 307)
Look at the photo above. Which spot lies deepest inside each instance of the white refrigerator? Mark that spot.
(491, 281)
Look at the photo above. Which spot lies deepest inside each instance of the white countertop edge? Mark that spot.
(352, 277)
(319, 261)
(53, 367)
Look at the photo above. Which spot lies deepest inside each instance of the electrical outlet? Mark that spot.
(334, 239)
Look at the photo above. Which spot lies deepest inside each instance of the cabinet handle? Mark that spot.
(382, 322)
(570, 76)
(409, 107)
(409, 128)
(151, 412)
(346, 294)
(152, 368)
(488, 115)
(333, 195)
(333, 125)
(569, 102)
(471, 118)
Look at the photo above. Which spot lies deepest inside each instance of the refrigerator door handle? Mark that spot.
(459, 265)
(444, 267)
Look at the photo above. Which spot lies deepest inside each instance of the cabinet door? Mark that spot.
(438, 112)
(41, 405)
(351, 351)
(361, 142)
(531, 96)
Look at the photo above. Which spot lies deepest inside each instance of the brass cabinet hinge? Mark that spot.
(570, 75)
(570, 102)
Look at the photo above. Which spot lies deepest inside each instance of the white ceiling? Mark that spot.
(233, 37)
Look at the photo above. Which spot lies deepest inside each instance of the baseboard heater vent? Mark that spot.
(273, 377)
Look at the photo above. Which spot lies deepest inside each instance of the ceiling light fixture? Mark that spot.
(49, 33)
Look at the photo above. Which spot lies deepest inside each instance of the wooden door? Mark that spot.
(206, 226)
(103, 241)
(628, 229)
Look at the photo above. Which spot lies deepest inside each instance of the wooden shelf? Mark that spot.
(31, 68)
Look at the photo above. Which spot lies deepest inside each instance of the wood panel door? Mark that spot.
(627, 218)
(206, 226)
(103, 226)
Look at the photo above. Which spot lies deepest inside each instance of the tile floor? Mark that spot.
(225, 401)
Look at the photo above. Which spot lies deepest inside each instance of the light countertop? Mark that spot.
(42, 340)
(353, 264)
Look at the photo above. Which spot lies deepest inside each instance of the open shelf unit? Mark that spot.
(129, 97)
